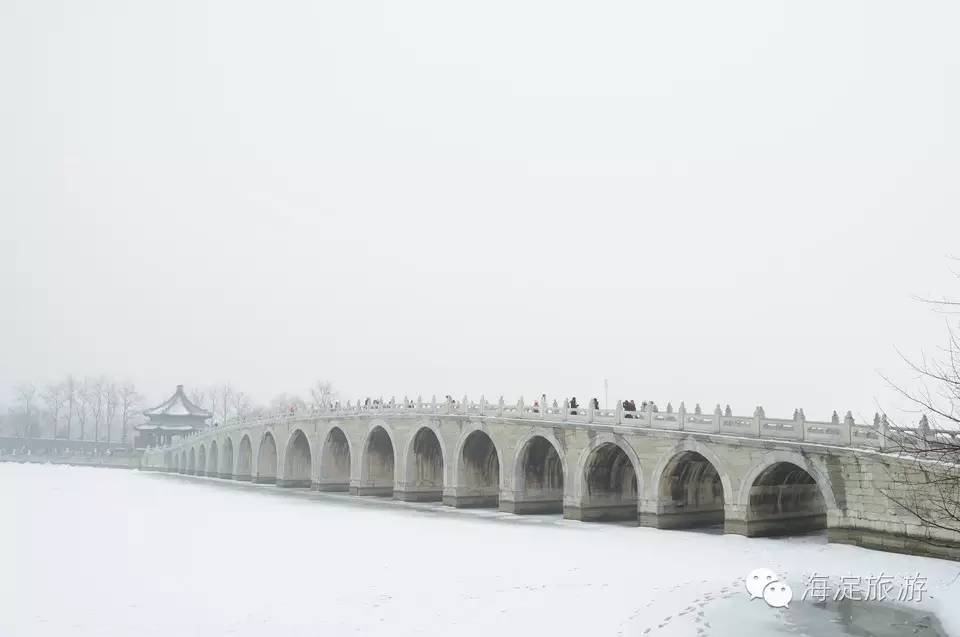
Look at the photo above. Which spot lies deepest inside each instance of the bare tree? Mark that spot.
(933, 447)
(221, 401)
(129, 400)
(97, 393)
(111, 399)
(240, 405)
(54, 397)
(198, 396)
(82, 399)
(25, 395)
(322, 393)
(70, 392)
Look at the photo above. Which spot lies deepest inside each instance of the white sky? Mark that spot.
(712, 202)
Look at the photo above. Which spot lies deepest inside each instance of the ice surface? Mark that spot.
(97, 552)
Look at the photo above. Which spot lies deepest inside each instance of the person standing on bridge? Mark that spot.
(573, 405)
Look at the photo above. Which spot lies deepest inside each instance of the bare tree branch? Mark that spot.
(931, 451)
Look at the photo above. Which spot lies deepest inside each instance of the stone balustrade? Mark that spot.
(839, 432)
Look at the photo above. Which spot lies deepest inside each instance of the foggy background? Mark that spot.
(711, 202)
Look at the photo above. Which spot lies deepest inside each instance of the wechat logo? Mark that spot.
(764, 583)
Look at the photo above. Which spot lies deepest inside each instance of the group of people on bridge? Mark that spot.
(629, 406)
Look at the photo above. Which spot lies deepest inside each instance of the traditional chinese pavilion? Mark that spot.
(175, 417)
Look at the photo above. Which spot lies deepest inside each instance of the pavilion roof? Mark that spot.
(178, 405)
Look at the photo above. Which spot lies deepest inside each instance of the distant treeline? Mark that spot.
(105, 409)
(97, 408)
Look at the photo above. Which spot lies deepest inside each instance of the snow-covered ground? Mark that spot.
(100, 552)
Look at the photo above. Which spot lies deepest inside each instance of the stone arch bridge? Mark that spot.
(753, 475)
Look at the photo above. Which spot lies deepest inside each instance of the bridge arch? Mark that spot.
(202, 460)
(785, 494)
(610, 481)
(244, 470)
(297, 461)
(539, 474)
(425, 463)
(266, 459)
(378, 464)
(335, 461)
(213, 461)
(691, 488)
(192, 461)
(226, 462)
(477, 471)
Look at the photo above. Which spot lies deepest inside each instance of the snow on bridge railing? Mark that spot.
(837, 432)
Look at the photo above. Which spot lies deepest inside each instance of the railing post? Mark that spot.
(590, 410)
(543, 406)
(618, 413)
(682, 416)
(483, 403)
(716, 418)
(500, 408)
(924, 432)
(566, 410)
(433, 406)
(802, 421)
(884, 431)
(520, 408)
(848, 426)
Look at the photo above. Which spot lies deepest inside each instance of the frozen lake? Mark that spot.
(109, 552)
